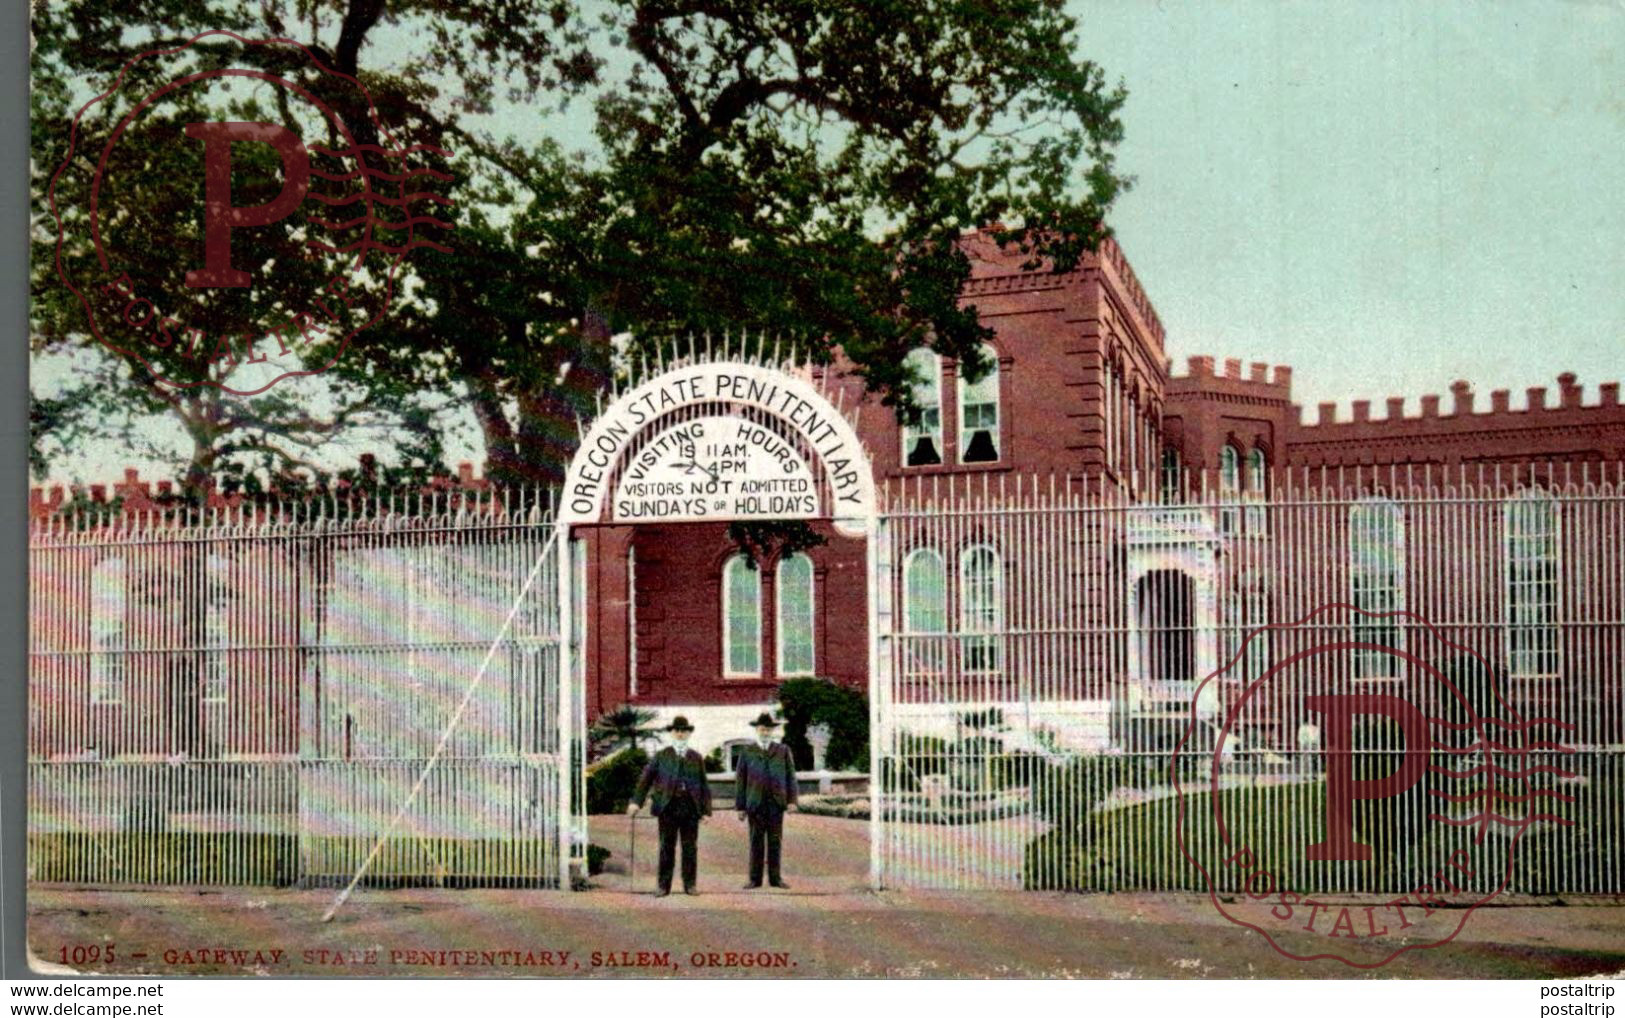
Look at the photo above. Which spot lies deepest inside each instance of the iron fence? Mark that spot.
(1041, 713)
(248, 696)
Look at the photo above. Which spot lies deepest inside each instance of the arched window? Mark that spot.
(1131, 465)
(1377, 581)
(1229, 469)
(981, 607)
(794, 596)
(925, 609)
(1257, 471)
(1257, 490)
(741, 618)
(1173, 479)
(979, 414)
(1531, 523)
(1250, 612)
(922, 442)
(1229, 488)
(1109, 429)
(108, 600)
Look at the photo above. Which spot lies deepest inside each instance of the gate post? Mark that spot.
(878, 543)
(565, 706)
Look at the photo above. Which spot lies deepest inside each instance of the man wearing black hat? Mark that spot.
(764, 787)
(682, 795)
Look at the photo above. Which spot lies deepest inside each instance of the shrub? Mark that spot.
(1136, 847)
(1018, 769)
(916, 757)
(1064, 793)
(611, 782)
(1551, 858)
(596, 856)
(808, 702)
(625, 727)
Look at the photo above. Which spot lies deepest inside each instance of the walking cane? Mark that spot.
(632, 863)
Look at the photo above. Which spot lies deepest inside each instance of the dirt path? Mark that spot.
(826, 925)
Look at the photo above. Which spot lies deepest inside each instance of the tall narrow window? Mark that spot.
(1257, 489)
(741, 618)
(1133, 443)
(1249, 614)
(1531, 524)
(108, 601)
(1229, 489)
(925, 610)
(1109, 432)
(979, 414)
(631, 621)
(1257, 608)
(216, 635)
(794, 595)
(1377, 579)
(1229, 470)
(1167, 607)
(922, 441)
(1257, 468)
(1173, 480)
(981, 608)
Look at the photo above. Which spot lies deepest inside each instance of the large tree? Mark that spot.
(797, 168)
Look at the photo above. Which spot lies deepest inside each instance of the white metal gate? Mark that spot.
(284, 693)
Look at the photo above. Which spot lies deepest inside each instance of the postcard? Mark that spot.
(780, 490)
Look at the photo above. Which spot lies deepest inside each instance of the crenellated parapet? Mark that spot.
(135, 495)
(1206, 378)
(1464, 406)
(1569, 424)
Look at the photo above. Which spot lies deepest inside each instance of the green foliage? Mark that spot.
(770, 540)
(1135, 847)
(625, 727)
(277, 860)
(1549, 855)
(611, 782)
(597, 855)
(1392, 826)
(846, 807)
(989, 720)
(1065, 793)
(807, 702)
(172, 857)
(763, 165)
(916, 757)
(713, 762)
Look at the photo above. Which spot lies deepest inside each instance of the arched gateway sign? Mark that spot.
(721, 441)
(710, 441)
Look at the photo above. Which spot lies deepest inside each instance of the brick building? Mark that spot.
(676, 620)
(1083, 389)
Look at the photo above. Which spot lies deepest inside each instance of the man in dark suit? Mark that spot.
(764, 787)
(682, 795)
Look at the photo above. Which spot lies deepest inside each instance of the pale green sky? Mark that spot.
(1386, 196)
